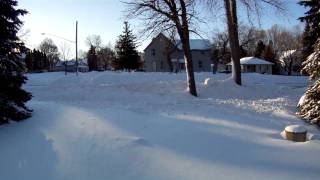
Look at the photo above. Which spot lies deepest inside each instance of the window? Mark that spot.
(200, 64)
(161, 64)
(153, 52)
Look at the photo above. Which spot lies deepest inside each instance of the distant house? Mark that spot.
(254, 65)
(161, 53)
(70, 66)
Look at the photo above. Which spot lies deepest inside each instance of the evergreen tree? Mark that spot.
(92, 59)
(312, 29)
(127, 55)
(36, 61)
(309, 105)
(12, 96)
(259, 49)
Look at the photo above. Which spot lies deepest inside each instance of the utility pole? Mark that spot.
(77, 63)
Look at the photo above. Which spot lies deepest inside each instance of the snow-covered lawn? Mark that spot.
(106, 125)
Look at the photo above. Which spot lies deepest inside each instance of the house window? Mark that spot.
(153, 52)
(202, 52)
(200, 64)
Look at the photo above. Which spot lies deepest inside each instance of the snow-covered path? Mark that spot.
(145, 126)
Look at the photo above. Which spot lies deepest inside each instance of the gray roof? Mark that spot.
(196, 44)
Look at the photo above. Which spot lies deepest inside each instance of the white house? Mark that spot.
(70, 66)
(253, 64)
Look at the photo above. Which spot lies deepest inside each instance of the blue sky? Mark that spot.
(105, 18)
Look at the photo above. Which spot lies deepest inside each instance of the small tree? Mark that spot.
(127, 55)
(12, 96)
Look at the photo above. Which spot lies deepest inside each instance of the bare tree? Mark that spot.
(161, 15)
(94, 40)
(65, 51)
(106, 55)
(24, 34)
(65, 54)
(230, 7)
(48, 47)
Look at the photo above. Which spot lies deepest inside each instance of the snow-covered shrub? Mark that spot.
(309, 104)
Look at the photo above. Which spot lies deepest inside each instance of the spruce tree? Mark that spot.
(12, 96)
(312, 21)
(309, 105)
(127, 55)
(92, 59)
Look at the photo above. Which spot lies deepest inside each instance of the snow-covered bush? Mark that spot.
(309, 105)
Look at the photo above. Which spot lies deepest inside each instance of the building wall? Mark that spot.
(155, 55)
(263, 68)
(155, 59)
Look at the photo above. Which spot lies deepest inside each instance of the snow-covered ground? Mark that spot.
(106, 125)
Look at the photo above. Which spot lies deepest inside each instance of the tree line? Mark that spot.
(269, 44)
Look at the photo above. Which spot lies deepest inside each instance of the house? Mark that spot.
(254, 65)
(161, 55)
(70, 66)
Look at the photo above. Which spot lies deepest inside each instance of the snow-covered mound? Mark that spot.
(111, 125)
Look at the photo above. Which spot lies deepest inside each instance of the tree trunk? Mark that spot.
(290, 68)
(185, 41)
(189, 66)
(231, 13)
(183, 31)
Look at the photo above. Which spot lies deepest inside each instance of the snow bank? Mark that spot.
(109, 125)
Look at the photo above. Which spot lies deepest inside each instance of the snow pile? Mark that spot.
(108, 125)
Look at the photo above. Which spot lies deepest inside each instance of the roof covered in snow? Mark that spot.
(196, 44)
(72, 63)
(253, 61)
